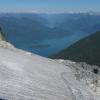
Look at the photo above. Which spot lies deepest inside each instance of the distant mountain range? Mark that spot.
(23, 29)
(85, 50)
(49, 24)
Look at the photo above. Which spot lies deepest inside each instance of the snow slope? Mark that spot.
(25, 76)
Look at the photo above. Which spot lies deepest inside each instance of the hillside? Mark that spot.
(26, 76)
(85, 50)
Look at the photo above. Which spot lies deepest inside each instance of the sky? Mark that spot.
(49, 6)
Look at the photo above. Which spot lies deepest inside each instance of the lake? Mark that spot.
(48, 47)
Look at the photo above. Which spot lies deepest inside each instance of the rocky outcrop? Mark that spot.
(2, 35)
(85, 73)
(3, 40)
(5, 44)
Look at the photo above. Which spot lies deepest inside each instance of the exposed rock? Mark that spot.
(85, 73)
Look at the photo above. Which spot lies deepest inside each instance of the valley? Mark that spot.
(56, 30)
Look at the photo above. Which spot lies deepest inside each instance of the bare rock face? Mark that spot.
(2, 35)
(5, 44)
(3, 41)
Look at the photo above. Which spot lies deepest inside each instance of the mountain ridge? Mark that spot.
(85, 50)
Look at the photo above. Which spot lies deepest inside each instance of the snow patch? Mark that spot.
(13, 66)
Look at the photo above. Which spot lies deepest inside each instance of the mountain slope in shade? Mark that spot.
(85, 50)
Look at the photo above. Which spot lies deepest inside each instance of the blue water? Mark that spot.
(56, 45)
(49, 46)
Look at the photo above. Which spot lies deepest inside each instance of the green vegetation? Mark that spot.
(85, 50)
